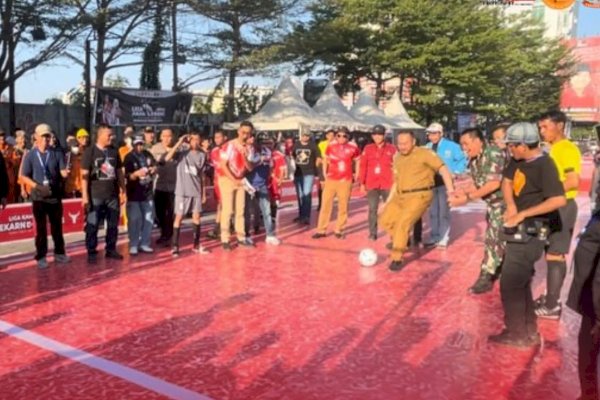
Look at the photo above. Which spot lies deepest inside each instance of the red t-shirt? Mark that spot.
(339, 160)
(232, 153)
(215, 161)
(278, 163)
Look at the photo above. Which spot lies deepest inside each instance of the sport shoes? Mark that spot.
(549, 313)
(273, 240)
(247, 242)
(318, 235)
(200, 250)
(114, 255)
(42, 263)
(226, 246)
(540, 301)
(146, 249)
(175, 251)
(133, 251)
(62, 258)
(396, 265)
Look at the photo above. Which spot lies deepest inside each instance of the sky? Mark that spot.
(53, 80)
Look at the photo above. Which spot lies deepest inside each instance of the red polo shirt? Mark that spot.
(215, 160)
(376, 166)
(232, 153)
(339, 160)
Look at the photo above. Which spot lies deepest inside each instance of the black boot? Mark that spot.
(175, 242)
(196, 236)
(483, 284)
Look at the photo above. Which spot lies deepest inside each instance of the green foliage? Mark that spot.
(149, 78)
(248, 100)
(116, 81)
(54, 101)
(204, 105)
(456, 56)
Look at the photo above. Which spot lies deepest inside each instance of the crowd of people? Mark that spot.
(529, 193)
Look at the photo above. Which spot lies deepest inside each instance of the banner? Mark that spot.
(120, 107)
(580, 97)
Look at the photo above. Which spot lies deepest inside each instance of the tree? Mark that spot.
(245, 40)
(249, 101)
(457, 56)
(204, 105)
(149, 78)
(117, 81)
(46, 27)
(54, 101)
(116, 27)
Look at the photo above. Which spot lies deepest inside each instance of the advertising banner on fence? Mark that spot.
(580, 97)
(120, 107)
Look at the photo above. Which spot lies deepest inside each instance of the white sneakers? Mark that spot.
(42, 263)
(272, 240)
(200, 250)
(146, 249)
(133, 251)
(62, 258)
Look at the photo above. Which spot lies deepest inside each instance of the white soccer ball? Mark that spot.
(367, 257)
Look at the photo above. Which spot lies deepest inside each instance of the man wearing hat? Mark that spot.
(148, 137)
(42, 171)
(306, 156)
(140, 169)
(533, 194)
(340, 158)
(73, 182)
(455, 160)
(375, 174)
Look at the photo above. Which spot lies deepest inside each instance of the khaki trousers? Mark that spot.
(399, 216)
(342, 190)
(233, 197)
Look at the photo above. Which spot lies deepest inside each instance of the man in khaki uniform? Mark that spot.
(411, 193)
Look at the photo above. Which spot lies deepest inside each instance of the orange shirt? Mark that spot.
(123, 151)
(12, 162)
(73, 182)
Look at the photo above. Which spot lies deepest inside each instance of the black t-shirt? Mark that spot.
(305, 157)
(139, 189)
(102, 166)
(533, 182)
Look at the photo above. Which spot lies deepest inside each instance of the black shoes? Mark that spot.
(373, 238)
(389, 246)
(113, 254)
(508, 339)
(227, 246)
(297, 219)
(483, 284)
(318, 235)
(92, 258)
(340, 235)
(396, 266)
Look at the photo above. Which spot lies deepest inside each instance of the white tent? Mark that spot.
(330, 107)
(395, 111)
(366, 111)
(285, 110)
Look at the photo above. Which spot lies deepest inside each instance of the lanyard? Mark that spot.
(42, 163)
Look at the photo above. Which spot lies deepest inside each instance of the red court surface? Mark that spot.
(299, 321)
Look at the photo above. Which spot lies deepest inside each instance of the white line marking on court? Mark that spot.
(131, 375)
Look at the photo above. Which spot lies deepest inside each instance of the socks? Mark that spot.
(557, 270)
(175, 239)
(196, 235)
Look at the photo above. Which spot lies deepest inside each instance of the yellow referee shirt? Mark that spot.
(567, 157)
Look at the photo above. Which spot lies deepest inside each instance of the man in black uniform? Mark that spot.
(584, 297)
(533, 193)
(102, 179)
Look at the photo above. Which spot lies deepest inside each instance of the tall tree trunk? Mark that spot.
(100, 65)
(230, 110)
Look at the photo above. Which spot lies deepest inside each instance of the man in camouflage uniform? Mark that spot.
(486, 163)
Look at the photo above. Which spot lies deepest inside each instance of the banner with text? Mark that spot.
(120, 107)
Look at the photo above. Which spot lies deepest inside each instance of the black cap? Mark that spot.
(378, 129)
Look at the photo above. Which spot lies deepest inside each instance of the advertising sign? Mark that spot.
(580, 97)
(120, 107)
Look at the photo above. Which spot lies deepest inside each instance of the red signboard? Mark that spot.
(580, 97)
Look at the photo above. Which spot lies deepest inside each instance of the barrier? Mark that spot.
(16, 221)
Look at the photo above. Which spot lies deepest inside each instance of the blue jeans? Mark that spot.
(260, 203)
(439, 214)
(140, 218)
(304, 184)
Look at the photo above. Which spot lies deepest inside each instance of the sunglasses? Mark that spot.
(342, 136)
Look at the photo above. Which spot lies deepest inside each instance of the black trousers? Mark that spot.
(164, 203)
(373, 197)
(99, 211)
(44, 212)
(515, 286)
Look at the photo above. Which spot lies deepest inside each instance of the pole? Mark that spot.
(87, 79)
(11, 88)
(174, 34)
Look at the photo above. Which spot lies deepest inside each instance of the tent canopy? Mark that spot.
(395, 111)
(330, 107)
(285, 110)
(366, 111)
